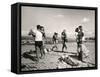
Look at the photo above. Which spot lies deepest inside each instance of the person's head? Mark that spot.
(38, 27)
(60, 59)
(55, 33)
(30, 32)
(80, 28)
(42, 28)
(64, 30)
(76, 30)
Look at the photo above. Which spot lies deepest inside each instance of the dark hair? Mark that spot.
(41, 27)
(76, 30)
(55, 33)
(38, 26)
(80, 26)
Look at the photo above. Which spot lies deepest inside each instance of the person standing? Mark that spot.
(80, 37)
(64, 39)
(43, 32)
(43, 36)
(79, 41)
(38, 42)
(55, 39)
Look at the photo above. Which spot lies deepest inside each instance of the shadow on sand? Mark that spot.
(74, 56)
(28, 55)
(65, 52)
(71, 54)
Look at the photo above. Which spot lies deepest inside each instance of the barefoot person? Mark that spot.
(64, 40)
(55, 39)
(77, 40)
(43, 36)
(38, 41)
(43, 32)
(80, 35)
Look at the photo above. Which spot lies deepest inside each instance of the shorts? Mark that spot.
(38, 43)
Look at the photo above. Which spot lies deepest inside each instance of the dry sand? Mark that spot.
(50, 61)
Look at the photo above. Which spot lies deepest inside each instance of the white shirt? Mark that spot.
(38, 35)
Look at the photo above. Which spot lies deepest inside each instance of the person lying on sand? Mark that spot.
(68, 60)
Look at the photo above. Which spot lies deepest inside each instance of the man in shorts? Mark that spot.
(38, 42)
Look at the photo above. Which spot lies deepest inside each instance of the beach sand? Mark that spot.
(50, 61)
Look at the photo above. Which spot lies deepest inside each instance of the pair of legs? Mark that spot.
(39, 49)
(79, 50)
(44, 47)
(64, 45)
(55, 45)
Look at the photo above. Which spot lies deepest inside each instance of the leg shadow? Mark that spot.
(74, 56)
(28, 56)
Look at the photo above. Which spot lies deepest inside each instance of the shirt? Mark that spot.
(38, 35)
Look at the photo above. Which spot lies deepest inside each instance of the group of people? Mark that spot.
(39, 37)
(64, 40)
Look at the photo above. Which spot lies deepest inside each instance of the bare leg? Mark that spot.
(78, 48)
(42, 51)
(80, 53)
(63, 48)
(43, 47)
(37, 53)
(55, 45)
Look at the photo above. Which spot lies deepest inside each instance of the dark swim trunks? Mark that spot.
(38, 43)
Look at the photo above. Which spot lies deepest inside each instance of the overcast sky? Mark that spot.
(55, 20)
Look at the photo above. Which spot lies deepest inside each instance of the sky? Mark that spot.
(55, 20)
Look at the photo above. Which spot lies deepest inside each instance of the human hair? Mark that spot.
(80, 26)
(76, 30)
(55, 33)
(64, 30)
(41, 28)
(38, 26)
